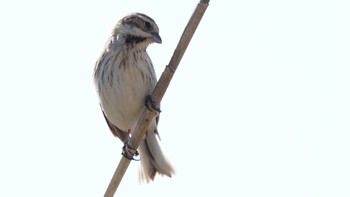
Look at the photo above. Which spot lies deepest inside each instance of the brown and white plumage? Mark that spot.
(124, 76)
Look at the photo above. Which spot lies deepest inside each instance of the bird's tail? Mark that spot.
(152, 159)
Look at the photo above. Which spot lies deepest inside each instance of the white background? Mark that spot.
(259, 105)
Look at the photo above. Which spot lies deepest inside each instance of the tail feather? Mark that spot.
(152, 159)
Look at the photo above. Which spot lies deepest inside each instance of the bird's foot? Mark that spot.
(130, 153)
(150, 104)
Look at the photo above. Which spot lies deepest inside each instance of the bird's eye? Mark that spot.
(148, 25)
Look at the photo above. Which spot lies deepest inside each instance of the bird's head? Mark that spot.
(137, 29)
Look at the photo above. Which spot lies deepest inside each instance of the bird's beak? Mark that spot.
(157, 38)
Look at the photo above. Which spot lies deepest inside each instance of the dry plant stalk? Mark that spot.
(157, 94)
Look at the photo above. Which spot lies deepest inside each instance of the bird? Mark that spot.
(124, 78)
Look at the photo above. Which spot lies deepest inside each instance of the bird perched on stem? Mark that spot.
(124, 77)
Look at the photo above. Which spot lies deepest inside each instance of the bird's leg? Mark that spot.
(128, 151)
(150, 104)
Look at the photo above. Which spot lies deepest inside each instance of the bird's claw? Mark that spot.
(150, 104)
(130, 152)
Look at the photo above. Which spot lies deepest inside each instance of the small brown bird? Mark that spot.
(124, 77)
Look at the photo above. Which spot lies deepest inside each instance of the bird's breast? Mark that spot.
(133, 79)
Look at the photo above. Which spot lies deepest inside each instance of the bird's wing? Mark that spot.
(122, 135)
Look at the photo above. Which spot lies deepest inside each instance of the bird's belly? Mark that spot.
(127, 102)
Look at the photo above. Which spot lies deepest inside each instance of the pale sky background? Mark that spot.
(259, 105)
